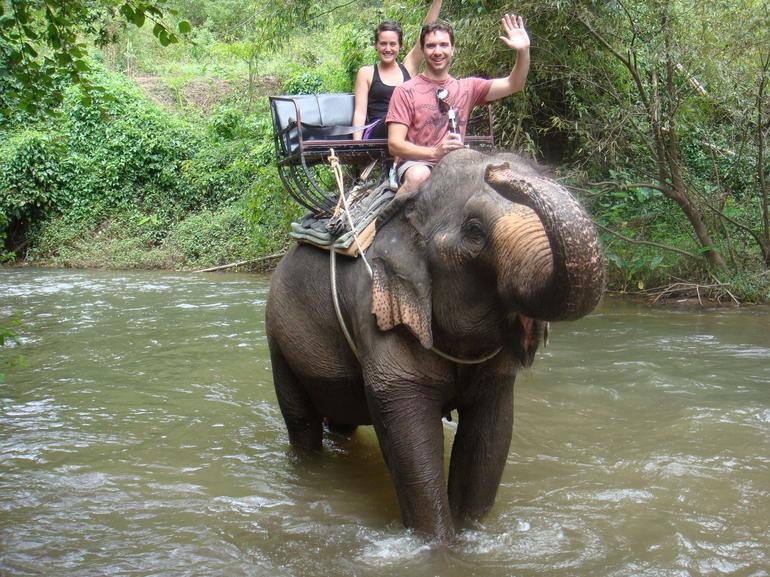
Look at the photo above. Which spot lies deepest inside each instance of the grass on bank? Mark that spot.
(131, 240)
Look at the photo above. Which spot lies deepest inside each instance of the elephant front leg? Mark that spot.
(480, 451)
(411, 437)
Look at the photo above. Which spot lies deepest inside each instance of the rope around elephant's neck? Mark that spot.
(342, 201)
(336, 301)
(466, 361)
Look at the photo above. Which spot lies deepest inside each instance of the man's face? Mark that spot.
(438, 51)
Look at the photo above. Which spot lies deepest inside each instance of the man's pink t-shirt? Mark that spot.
(414, 104)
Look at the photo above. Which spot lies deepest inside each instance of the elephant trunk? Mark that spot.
(556, 269)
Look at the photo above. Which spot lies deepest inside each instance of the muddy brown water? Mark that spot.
(141, 437)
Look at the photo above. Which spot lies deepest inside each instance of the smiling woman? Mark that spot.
(375, 83)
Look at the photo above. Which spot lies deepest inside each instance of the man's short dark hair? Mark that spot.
(437, 26)
(389, 26)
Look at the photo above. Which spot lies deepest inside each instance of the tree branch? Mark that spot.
(648, 243)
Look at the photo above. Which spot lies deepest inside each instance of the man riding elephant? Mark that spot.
(420, 118)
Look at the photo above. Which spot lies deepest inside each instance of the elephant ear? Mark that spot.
(401, 287)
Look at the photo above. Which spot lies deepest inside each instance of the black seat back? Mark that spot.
(310, 113)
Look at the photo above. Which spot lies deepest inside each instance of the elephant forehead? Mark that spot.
(495, 210)
(487, 205)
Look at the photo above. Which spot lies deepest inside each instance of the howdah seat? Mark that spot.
(307, 126)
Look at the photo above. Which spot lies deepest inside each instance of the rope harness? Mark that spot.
(342, 206)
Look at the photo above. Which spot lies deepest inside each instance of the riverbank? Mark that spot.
(206, 239)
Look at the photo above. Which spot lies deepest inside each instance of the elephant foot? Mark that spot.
(305, 437)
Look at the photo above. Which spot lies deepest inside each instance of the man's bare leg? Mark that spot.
(413, 177)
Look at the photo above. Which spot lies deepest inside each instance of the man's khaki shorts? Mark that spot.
(405, 165)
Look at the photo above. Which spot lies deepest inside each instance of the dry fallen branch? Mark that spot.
(243, 262)
(714, 292)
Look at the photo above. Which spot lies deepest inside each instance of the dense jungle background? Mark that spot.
(136, 134)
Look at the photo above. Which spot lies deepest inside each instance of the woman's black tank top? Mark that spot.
(380, 93)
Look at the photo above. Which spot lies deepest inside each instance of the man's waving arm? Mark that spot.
(515, 38)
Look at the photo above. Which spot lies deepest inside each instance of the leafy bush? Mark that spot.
(210, 238)
(123, 240)
(30, 175)
(269, 209)
(226, 122)
(125, 156)
(302, 81)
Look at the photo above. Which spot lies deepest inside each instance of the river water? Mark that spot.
(141, 436)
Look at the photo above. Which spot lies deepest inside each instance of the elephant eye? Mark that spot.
(474, 236)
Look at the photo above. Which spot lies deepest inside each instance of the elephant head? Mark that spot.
(485, 238)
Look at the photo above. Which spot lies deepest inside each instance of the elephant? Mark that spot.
(467, 272)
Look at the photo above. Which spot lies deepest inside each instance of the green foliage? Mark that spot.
(31, 175)
(122, 240)
(42, 47)
(301, 81)
(749, 287)
(212, 237)
(115, 179)
(5, 254)
(357, 51)
(634, 271)
(226, 122)
(268, 209)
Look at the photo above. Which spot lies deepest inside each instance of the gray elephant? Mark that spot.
(467, 272)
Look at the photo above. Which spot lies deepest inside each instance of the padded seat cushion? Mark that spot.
(323, 110)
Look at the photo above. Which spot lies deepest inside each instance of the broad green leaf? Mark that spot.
(54, 38)
(127, 11)
(30, 50)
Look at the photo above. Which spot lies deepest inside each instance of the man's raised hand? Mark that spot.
(516, 37)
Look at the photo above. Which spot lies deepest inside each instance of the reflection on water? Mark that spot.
(142, 437)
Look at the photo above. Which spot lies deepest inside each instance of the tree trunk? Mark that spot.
(664, 132)
(677, 190)
(762, 184)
